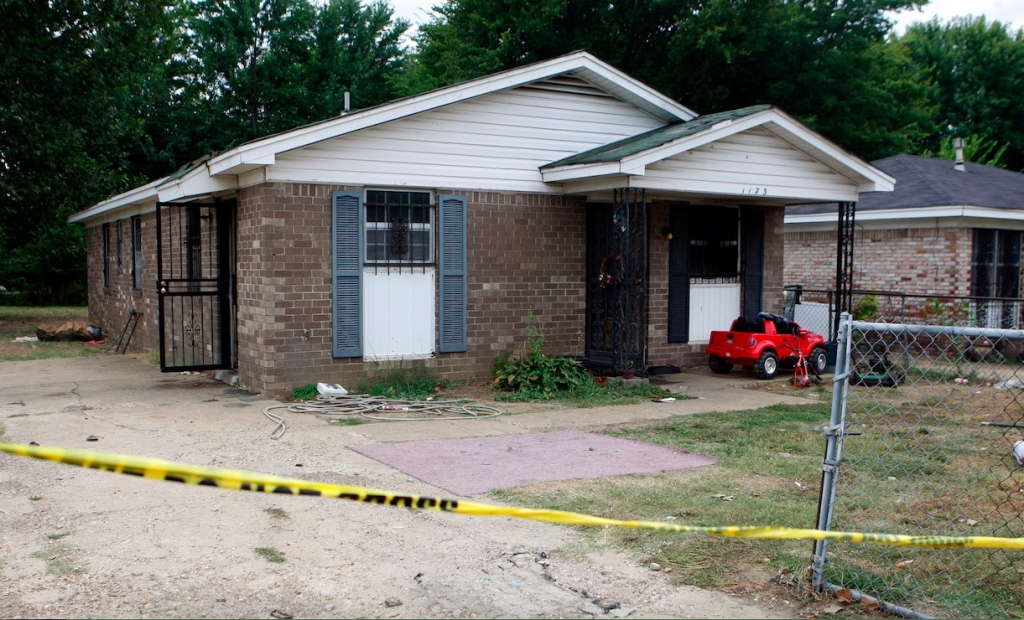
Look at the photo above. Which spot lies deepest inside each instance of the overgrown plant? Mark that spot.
(535, 373)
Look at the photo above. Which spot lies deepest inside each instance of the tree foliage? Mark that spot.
(978, 69)
(97, 96)
(70, 75)
(825, 62)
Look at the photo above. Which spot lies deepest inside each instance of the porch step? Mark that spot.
(227, 376)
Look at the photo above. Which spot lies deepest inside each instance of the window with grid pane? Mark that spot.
(714, 245)
(399, 228)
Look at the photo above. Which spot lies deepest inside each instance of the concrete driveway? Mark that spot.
(78, 542)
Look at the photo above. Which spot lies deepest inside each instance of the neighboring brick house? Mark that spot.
(426, 231)
(947, 230)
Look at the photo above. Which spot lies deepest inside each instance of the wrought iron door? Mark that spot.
(193, 242)
(617, 282)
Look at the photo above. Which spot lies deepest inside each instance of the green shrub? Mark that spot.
(536, 374)
(866, 309)
(305, 392)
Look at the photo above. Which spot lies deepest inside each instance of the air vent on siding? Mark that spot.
(567, 84)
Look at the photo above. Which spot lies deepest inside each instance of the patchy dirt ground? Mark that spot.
(77, 542)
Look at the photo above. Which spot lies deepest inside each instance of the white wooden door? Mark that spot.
(398, 314)
(712, 307)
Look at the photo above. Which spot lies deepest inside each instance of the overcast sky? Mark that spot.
(1012, 11)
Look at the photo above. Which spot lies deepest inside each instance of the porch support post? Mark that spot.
(844, 264)
(629, 240)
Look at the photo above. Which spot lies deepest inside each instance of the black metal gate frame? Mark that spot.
(193, 287)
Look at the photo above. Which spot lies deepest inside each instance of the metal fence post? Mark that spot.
(833, 449)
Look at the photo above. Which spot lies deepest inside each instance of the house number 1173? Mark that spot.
(755, 191)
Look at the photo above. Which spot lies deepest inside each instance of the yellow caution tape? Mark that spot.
(245, 481)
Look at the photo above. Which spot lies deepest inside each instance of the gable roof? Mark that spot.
(626, 147)
(219, 172)
(924, 184)
(631, 155)
(581, 65)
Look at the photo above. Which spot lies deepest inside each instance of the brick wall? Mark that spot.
(525, 254)
(109, 305)
(914, 260)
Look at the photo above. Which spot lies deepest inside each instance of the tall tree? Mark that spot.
(356, 49)
(68, 68)
(266, 66)
(978, 69)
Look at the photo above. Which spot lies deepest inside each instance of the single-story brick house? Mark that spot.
(427, 230)
(948, 229)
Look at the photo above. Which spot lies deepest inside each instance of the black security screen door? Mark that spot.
(192, 285)
(617, 283)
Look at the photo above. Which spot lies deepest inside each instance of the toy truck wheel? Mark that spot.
(719, 365)
(767, 365)
(818, 359)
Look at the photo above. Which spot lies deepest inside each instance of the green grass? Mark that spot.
(305, 392)
(590, 394)
(57, 536)
(58, 558)
(351, 421)
(404, 384)
(270, 554)
(762, 455)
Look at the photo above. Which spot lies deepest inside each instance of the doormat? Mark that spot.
(476, 465)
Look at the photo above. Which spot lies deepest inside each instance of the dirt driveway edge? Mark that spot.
(84, 543)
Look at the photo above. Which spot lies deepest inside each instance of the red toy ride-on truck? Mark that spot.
(764, 343)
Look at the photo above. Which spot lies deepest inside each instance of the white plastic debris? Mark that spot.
(668, 400)
(1018, 452)
(1009, 384)
(26, 339)
(330, 389)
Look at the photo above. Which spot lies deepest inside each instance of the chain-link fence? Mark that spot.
(922, 443)
(814, 308)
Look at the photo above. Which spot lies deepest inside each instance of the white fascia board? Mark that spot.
(866, 177)
(198, 182)
(139, 195)
(951, 211)
(870, 179)
(247, 156)
(575, 172)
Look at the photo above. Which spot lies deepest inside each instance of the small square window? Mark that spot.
(137, 253)
(399, 228)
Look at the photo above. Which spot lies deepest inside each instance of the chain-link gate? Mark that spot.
(925, 421)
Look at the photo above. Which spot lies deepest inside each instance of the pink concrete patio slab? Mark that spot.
(479, 464)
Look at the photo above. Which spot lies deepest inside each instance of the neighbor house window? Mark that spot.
(106, 255)
(399, 228)
(714, 245)
(137, 252)
(995, 272)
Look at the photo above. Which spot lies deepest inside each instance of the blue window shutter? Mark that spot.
(453, 285)
(347, 243)
(679, 274)
(752, 232)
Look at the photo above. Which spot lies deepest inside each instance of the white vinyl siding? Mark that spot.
(496, 142)
(712, 307)
(756, 163)
(398, 314)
